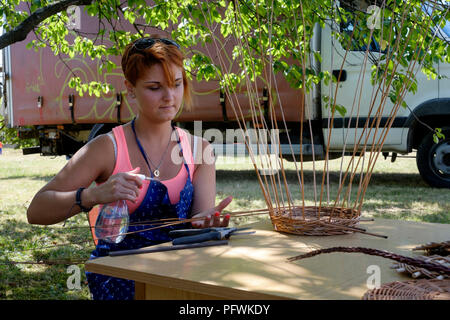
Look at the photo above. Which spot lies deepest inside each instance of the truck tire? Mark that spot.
(433, 160)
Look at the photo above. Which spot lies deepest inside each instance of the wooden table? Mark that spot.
(255, 266)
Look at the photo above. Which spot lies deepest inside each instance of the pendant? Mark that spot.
(156, 173)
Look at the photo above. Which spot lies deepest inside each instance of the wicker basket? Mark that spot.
(411, 290)
(307, 221)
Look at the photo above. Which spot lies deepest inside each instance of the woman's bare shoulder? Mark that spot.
(98, 154)
(100, 144)
(92, 162)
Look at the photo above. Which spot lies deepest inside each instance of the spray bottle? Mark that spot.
(112, 222)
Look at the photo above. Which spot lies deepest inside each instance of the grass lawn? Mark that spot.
(396, 191)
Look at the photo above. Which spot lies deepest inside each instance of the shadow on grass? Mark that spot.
(21, 237)
(20, 241)
(384, 179)
(39, 177)
(13, 231)
(398, 196)
(440, 216)
(23, 282)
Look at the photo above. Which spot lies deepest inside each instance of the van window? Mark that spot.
(354, 45)
(446, 30)
(353, 9)
(374, 45)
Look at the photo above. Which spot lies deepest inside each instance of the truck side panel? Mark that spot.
(41, 92)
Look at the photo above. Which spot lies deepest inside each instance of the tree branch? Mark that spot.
(20, 32)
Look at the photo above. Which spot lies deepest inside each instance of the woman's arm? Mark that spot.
(93, 162)
(204, 182)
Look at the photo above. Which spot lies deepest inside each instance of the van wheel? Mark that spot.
(433, 160)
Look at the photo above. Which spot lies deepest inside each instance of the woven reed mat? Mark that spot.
(411, 290)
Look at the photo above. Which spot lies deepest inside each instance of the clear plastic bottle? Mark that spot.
(112, 222)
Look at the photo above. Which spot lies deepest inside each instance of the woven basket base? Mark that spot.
(411, 290)
(306, 221)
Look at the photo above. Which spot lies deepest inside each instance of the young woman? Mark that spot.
(183, 183)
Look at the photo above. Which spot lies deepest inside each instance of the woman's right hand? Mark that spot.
(120, 186)
(212, 216)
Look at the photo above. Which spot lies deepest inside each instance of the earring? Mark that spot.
(132, 95)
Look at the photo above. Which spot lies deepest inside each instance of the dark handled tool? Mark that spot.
(174, 247)
(189, 232)
(201, 235)
(213, 235)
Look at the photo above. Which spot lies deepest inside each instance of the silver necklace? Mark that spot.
(156, 172)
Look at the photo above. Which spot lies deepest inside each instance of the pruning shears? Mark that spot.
(185, 236)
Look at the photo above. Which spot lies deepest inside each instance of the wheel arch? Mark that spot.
(435, 113)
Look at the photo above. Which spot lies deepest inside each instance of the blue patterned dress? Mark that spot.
(156, 205)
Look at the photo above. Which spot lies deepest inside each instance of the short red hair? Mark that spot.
(136, 62)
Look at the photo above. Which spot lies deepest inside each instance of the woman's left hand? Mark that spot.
(212, 216)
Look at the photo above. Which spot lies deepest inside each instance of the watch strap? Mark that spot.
(78, 200)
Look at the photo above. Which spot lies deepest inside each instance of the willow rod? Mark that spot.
(165, 220)
(432, 266)
(262, 186)
(389, 124)
(374, 154)
(167, 224)
(274, 122)
(380, 111)
(46, 262)
(261, 115)
(359, 86)
(354, 229)
(353, 172)
(330, 127)
(357, 145)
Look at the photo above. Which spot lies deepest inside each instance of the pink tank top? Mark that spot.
(174, 185)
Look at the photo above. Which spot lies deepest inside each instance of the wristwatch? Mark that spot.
(78, 201)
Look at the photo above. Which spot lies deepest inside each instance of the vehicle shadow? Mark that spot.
(381, 179)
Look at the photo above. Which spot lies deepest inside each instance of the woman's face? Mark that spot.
(158, 101)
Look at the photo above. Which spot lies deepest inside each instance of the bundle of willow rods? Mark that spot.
(381, 253)
(47, 262)
(276, 188)
(439, 248)
(417, 272)
(411, 290)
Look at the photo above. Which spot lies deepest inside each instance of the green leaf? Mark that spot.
(341, 109)
(438, 135)
(435, 138)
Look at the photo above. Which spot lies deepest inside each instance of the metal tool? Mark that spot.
(185, 236)
(168, 248)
